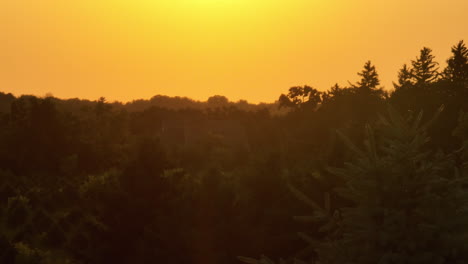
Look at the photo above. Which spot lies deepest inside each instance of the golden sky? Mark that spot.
(243, 49)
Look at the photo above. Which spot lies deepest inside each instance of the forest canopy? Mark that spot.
(364, 174)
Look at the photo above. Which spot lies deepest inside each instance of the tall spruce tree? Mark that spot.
(410, 206)
(404, 77)
(457, 64)
(369, 78)
(425, 69)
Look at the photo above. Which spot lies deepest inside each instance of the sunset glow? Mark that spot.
(243, 49)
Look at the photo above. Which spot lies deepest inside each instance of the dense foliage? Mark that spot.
(171, 180)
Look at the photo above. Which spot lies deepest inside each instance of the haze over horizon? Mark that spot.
(241, 49)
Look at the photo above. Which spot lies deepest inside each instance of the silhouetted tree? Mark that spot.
(301, 96)
(369, 78)
(102, 106)
(425, 69)
(285, 101)
(457, 69)
(404, 77)
(218, 101)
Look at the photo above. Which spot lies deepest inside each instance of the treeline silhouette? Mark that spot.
(172, 180)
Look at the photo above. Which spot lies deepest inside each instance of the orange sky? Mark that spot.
(243, 49)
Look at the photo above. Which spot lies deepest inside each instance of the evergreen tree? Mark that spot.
(457, 69)
(425, 69)
(410, 206)
(369, 78)
(404, 77)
